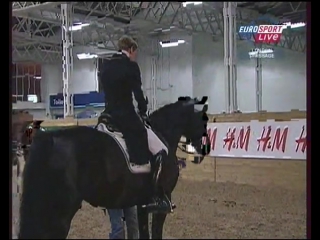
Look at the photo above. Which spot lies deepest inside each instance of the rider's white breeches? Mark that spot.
(155, 144)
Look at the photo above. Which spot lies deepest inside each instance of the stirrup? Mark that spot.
(158, 206)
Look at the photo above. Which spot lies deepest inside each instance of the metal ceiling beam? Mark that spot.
(24, 8)
(206, 18)
(167, 14)
(86, 38)
(120, 9)
(294, 42)
(17, 5)
(33, 38)
(39, 18)
(36, 53)
(99, 38)
(32, 28)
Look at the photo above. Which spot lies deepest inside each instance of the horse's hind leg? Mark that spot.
(54, 227)
(60, 225)
(59, 228)
(51, 217)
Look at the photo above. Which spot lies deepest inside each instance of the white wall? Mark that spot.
(173, 71)
(196, 69)
(84, 79)
(284, 77)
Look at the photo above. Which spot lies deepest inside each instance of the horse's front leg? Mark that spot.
(158, 220)
(143, 220)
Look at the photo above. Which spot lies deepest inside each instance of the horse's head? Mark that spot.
(183, 118)
(194, 122)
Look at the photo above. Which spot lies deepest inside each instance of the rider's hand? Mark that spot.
(145, 118)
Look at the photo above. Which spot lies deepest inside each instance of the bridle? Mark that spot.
(183, 148)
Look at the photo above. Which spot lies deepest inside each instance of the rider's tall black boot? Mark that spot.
(160, 202)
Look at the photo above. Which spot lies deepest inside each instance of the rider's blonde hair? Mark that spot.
(126, 43)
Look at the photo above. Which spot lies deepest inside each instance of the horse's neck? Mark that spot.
(172, 136)
(169, 130)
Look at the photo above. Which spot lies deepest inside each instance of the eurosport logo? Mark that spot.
(264, 33)
(269, 32)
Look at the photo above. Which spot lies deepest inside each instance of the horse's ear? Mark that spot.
(203, 100)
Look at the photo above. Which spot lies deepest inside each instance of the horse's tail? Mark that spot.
(40, 183)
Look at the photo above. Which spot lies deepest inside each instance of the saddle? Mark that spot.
(106, 125)
(106, 119)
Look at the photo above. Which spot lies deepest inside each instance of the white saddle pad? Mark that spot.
(118, 137)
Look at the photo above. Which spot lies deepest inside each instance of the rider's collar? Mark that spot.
(126, 53)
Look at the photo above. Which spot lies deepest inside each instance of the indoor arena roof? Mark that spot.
(36, 26)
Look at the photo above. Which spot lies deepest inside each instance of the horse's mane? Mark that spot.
(164, 112)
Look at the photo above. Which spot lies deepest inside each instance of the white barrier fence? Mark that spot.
(16, 193)
(269, 139)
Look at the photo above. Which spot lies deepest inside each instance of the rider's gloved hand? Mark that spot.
(144, 118)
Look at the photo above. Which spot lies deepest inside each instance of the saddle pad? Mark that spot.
(118, 137)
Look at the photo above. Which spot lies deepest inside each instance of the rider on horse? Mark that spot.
(120, 78)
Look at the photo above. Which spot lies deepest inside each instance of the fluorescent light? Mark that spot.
(37, 77)
(106, 52)
(163, 29)
(78, 26)
(82, 56)
(298, 25)
(294, 25)
(171, 44)
(32, 98)
(184, 4)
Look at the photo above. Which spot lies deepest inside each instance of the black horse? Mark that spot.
(68, 166)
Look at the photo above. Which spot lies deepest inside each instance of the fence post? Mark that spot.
(215, 168)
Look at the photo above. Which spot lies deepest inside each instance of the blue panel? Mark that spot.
(80, 100)
(96, 98)
(56, 100)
